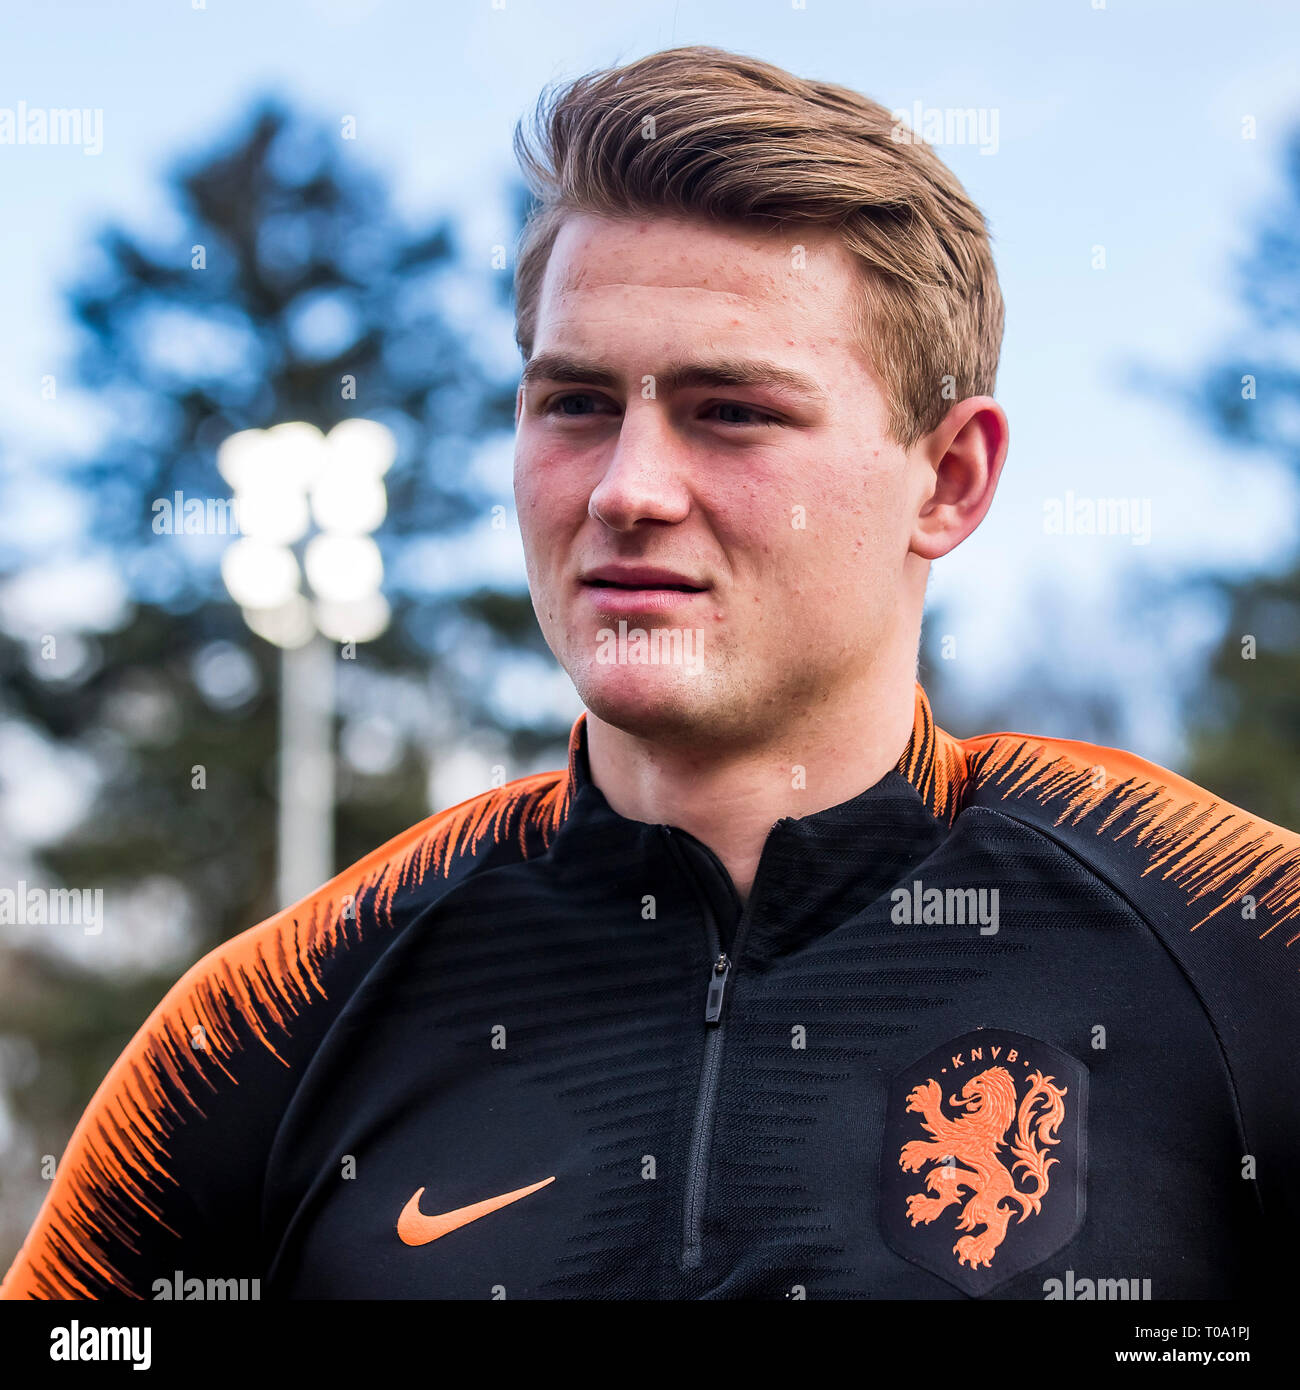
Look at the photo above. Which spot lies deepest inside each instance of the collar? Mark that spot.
(934, 764)
(816, 869)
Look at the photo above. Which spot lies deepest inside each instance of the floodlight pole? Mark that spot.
(287, 457)
(305, 851)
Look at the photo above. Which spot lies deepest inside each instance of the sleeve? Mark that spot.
(164, 1170)
(1219, 886)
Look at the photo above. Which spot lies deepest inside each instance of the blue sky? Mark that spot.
(1120, 127)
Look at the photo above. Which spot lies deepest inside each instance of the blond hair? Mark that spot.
(706, 134)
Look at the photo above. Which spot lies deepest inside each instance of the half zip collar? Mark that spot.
(816, 870)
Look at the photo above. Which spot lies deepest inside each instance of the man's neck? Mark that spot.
(729, 800)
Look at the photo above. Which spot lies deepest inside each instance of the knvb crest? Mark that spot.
(983, 1169)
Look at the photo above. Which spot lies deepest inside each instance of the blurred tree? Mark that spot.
(1048, 691)
(1244, 719)
(1240, 712)
(284, 288)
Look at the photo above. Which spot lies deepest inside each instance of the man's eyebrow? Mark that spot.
(559, 366)
(677, 376)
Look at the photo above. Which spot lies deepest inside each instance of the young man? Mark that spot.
(776, 990)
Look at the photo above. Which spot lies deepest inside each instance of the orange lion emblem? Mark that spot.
(967, 1152)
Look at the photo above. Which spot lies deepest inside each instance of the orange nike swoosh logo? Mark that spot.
(414, 1228)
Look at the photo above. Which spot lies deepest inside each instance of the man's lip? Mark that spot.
(610, 598)
(647, 588)
(640, 578)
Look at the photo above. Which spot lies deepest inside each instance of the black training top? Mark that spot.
(1016, 1020)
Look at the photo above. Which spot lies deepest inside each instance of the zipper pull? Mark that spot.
(717, 988)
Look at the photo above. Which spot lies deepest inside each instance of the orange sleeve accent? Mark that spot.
(1215, 851)
(934, 762)
(115, 1175)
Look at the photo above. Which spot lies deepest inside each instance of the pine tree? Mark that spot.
(284, 288)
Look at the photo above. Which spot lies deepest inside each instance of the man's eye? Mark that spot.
(574, 405)
(757, 417)
(556, 405)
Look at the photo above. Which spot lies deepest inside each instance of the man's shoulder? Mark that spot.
(385, 888)
(316, 949)
(222, 1052)
(1188, 860)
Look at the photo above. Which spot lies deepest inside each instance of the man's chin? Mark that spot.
(648, 702)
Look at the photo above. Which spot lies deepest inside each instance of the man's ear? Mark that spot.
(964, 458)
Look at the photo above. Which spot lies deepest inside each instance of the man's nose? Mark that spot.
(644, 478)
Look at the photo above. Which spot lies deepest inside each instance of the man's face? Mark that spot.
(781, 501)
